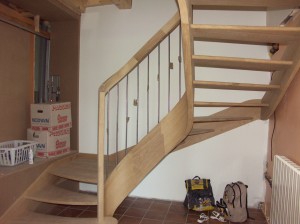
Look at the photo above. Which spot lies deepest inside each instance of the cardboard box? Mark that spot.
(51, 117)
(50, 143)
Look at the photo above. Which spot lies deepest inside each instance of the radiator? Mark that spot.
(285, 204)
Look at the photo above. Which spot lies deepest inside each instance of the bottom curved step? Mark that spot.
(58, 195)
(37, 218)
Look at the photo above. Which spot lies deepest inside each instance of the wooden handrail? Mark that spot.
(141, 54)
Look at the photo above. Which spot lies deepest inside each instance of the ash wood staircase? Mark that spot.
(179, 128)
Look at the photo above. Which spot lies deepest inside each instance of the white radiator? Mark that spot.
(285, 205)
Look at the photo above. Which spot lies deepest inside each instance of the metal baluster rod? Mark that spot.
(127, 119)
(117, 125)
(107, 135)
(158, 79)
(148, 74)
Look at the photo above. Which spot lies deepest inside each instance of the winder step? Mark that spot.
(81, 168)
(61, 193)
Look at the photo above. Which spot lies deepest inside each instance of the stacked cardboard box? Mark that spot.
(50, 127)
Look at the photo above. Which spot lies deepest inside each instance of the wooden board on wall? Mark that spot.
(15, 82)
(285, 139)
(64, 61)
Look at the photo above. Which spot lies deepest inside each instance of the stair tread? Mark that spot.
(219, 119)
(240, 63)
(198, 131)
(38, 218)
(80, 169)
(56, 194)
(245, 34)
(245, 5)
(228, 104)
(234, 86)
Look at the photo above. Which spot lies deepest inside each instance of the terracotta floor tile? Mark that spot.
(178, 208)
(158, 206)
(121, 210)
(88, 214)
(92, 208)
(192, 218)
(156, 215)
(142, 203)
(130, 220)
(162, 201)
(170, 222)
(117, 216)
(69, 212)
(151, 221)
(127, 202)
(44, 208)
(56, 210)
(176, 217)
(144, 211)
(136, 212)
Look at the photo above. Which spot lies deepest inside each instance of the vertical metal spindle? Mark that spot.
(180, 61)
(117, 124)
(148, 74)
(169, 73)
(107, 135)
(127, 120)
(137, 105)
(158, 79)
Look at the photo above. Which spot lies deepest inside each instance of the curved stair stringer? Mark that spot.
(144, 156)
(247, 116)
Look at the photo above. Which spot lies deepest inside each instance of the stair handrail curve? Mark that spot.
(141, 54)
(110, 83)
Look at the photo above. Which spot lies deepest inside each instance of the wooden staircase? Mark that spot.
(59, 184)
(284, 64)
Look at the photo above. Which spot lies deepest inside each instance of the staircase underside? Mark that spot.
(221, 122)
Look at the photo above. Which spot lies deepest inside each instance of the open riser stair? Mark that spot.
(127, 152)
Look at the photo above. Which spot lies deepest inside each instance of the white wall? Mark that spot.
(275, 17)
(109, 37)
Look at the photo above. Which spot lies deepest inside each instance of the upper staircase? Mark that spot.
(126, 151)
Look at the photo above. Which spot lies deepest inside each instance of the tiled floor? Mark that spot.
(147, 211)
